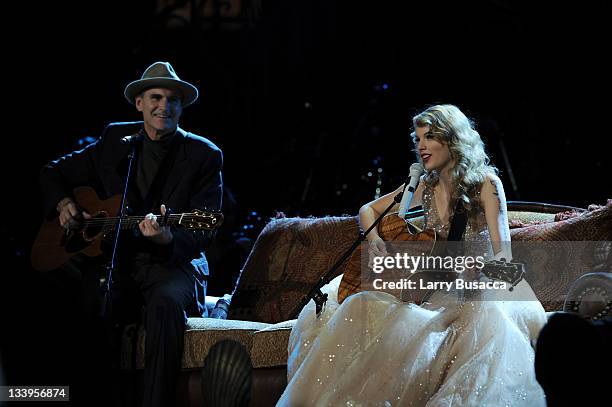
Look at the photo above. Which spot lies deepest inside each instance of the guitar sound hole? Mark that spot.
(94, 226)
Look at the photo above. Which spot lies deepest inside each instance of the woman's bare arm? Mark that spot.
(493, 200)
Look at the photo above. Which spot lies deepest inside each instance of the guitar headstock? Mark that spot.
(201, 220)
(502, 270)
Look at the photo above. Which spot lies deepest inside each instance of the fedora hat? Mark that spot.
(161, 75)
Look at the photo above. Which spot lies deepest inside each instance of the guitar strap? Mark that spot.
(455, 234)
(458, 223)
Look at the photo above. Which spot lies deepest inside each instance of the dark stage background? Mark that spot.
(305, 98)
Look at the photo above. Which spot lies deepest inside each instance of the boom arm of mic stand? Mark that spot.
(315, 293)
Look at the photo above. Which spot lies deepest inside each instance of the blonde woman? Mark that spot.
(374, 349)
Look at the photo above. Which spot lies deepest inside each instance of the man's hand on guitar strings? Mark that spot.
(69, 214)
(150, 228)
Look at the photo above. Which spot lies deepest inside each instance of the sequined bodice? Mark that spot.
(476, 230)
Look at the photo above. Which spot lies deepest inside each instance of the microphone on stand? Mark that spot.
(416, 170)
(133, 139)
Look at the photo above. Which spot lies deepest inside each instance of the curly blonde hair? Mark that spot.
(448, 125)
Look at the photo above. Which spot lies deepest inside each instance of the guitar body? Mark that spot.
(392, 228)
(54, 246)
(395, 230)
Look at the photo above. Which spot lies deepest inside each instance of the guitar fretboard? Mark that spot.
(109, 224)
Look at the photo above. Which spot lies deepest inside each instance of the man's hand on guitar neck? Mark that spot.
(150, 228)
(69, 214)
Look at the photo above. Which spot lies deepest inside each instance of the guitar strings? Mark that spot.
(135, 220)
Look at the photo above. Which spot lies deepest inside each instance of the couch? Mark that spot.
(292, 254)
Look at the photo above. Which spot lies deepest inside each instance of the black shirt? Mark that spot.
(151, 157)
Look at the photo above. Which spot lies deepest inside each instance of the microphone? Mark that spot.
(130, 140)
(416, 170)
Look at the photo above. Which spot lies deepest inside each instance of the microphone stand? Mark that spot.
(315, 293)
(107, 286)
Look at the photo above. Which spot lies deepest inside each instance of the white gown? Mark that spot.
(374, 350)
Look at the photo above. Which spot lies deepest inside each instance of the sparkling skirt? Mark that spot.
(374, 350)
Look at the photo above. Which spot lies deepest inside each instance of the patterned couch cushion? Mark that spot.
(266, 344)
(270, 345)
(200, 335)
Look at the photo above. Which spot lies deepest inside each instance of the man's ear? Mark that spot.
(138, 103)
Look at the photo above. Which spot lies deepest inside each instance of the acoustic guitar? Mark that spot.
(55, 245)
(397, 232)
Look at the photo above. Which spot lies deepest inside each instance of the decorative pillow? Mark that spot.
(567, 215)
(558, 260)
(519, 219)
(517, 223)
(287, 261)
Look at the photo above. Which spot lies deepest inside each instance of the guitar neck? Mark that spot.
(131, 222)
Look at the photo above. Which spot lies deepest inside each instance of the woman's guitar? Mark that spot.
(55, 245)
(398, 232)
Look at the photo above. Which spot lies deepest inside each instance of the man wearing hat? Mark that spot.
(173, 169)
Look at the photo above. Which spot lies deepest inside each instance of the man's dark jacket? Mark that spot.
(193, 181)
